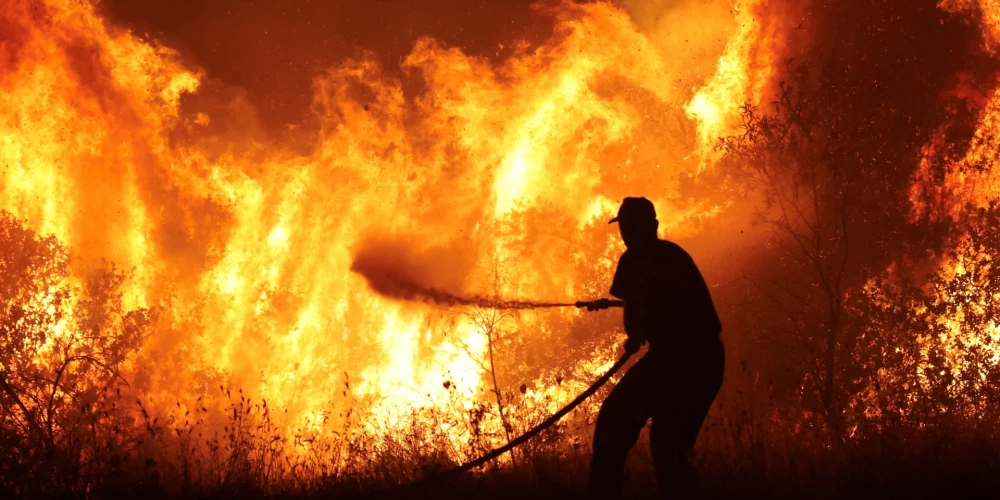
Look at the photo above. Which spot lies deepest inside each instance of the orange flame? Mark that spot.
(743, 71)
(247, 245)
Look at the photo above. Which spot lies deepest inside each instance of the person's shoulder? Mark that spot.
(625, 256)
(669, 248)
(674, 254)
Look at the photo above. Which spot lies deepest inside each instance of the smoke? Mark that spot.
(433, 275)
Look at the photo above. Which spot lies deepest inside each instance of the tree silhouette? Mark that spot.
(63, 342)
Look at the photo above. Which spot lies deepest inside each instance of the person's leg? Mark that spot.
(671, 458)
(678, 420)
(619, 422)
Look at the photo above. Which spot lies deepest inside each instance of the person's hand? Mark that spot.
(632, 345)
(598, 304)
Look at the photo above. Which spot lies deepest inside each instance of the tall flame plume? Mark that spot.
(498, 175)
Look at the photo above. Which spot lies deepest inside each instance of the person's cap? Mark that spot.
(635, 209)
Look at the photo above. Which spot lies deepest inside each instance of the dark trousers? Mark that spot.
(676, 391)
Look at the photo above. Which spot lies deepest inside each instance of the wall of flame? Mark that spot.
(507, 169)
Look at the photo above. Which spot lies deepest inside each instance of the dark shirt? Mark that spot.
(666, 299)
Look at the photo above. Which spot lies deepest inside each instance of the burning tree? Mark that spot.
(799, 162)
(929, 337)
(62, 351)
(829, 179)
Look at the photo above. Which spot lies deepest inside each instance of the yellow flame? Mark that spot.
(247, 246)
(740, 76)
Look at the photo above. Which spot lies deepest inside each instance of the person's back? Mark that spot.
(667, 291)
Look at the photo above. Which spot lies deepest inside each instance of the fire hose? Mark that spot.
(534, 431)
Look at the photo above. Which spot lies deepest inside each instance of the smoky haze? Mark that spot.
(269, 52)
(273, 50)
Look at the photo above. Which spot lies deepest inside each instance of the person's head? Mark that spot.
(637, 222)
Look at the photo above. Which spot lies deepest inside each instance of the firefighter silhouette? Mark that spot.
(667, 305)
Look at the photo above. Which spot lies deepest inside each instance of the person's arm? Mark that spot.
(635, 319)
(624, 286)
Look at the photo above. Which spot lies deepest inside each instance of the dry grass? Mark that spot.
(740, 454)
(70, 427)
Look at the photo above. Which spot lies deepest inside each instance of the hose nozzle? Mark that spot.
(597, 305)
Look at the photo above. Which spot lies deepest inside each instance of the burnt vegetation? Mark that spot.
(867, 324)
